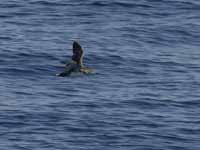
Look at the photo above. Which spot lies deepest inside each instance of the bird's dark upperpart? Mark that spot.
(77, 53)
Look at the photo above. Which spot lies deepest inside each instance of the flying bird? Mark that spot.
(76, 64)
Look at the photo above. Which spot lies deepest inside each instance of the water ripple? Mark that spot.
(145, 89)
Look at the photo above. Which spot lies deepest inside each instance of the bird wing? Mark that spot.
(77, 52)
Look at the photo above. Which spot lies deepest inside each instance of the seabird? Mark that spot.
(76, 64)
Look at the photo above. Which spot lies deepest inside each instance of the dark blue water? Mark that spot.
(144, 94)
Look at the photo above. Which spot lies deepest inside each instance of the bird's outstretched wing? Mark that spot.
(77, 53)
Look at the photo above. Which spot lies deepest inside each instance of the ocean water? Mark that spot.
(143, 95)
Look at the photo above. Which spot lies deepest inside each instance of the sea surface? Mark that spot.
(144, 93)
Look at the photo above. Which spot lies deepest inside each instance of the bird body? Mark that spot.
(76, 64)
